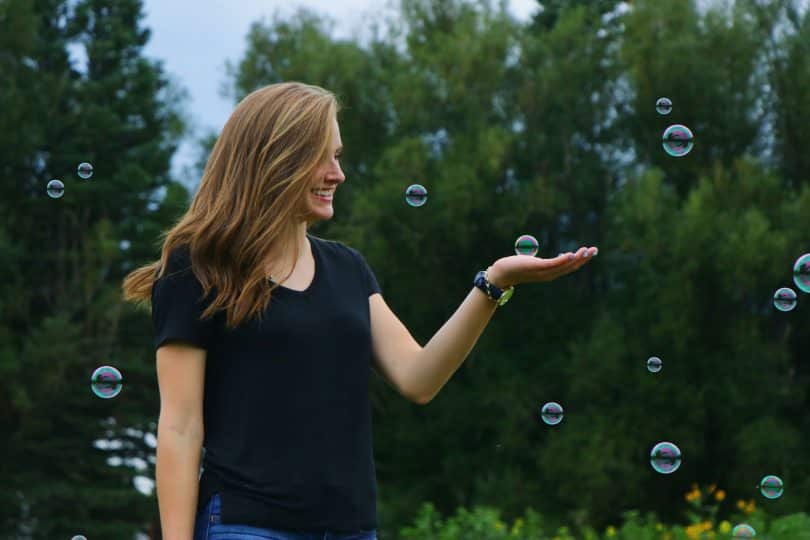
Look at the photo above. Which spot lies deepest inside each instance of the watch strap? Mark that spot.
(499, 296)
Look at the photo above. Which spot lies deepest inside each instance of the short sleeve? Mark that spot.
(177, 304)
(369, 279)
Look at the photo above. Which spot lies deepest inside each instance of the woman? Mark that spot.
(276, 392)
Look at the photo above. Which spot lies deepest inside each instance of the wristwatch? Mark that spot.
(494, 293)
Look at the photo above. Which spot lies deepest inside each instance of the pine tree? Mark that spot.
(81, 91)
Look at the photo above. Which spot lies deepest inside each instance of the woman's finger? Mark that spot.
(578, 261)
(587, 255)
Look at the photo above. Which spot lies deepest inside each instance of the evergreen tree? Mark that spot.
(62, 313)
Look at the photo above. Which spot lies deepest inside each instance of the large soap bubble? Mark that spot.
(527, 245)
(55, 189)
(771, 487)
(416, 195)
(784, 299)
(743, 530)
(665, 458)
(678, 140)
(654, 364)
(552, 413)
(663, 106)
(801, 273)
(106, 382)
(84, 170)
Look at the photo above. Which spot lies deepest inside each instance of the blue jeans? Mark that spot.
(209, 527)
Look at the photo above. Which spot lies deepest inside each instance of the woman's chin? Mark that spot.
(320, 214)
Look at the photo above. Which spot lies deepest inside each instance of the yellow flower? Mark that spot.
(750, 507)
(741, 504)
(712, 487)
(720, 495)
(693, 531)
(610, 531)
(724, 527)
(693, 495)
(696, 530)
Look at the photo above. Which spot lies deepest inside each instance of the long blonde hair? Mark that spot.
(248, 208)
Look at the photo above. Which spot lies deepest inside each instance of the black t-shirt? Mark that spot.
(287, 414)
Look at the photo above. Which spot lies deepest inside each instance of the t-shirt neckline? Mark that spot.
(318, 266)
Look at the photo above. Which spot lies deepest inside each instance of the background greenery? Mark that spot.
(546, 128)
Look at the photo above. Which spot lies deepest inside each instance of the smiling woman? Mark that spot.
(278, 393)
(224, 353)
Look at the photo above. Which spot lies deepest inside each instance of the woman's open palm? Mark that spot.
(526, 269)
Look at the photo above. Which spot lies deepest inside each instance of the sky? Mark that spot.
(194, 38)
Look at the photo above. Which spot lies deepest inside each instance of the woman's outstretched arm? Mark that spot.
(417, 372)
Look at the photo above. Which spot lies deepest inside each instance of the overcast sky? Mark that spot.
(195, 38)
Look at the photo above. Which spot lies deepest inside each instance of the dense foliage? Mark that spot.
(546, 128)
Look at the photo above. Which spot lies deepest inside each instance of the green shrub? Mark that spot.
(484, 523)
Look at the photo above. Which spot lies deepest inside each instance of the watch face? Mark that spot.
(507, 294)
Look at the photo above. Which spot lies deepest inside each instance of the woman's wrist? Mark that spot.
(496, 277)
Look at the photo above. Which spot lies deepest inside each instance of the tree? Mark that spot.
(63, 315)
(550, 129)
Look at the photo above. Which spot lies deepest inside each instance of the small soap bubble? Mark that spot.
(552, 413)
(801, 273)
(527, 245)
(785, 299)
(665, 458)
(771, 487)
(654, 364)
(106, 382)
(84, 170)
(79, 537)
(663, 105)
(416, 195)
(55, 189)
(678, 140)
(743, 530)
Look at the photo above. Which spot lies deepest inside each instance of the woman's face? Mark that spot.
(325, 181)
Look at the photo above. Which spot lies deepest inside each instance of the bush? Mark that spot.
(484, 523)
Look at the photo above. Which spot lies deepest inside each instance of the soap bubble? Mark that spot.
(743, 530)
(79, 537)
(663, 105)
(106, 382)
(416, 195)
(801, 273)
(771, 487)
(784, 299)
(527, 245)
(654, 364)
(84, 170)
(552, 413)
(55, 189)
(678, 140)
(665, 458)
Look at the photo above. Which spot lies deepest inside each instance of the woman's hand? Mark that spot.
(517, 269)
